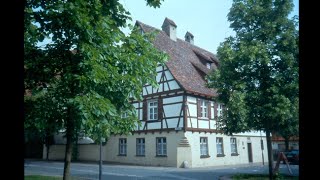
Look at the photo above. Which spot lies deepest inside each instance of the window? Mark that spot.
(233, 143)
(208, 65)
(204, 109)
(219, 110)
(161, 146)
(122, 147)
(220, 147)
(153, 110)
(140, 146)
(204, 147)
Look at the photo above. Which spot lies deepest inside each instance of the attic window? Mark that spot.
(208, 65)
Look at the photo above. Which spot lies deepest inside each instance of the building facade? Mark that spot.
(178, 118)
(178, 126)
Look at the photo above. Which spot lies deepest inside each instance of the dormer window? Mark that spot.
(208, 65)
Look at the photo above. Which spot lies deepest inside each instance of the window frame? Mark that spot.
(163, 147)
(122, 146)
(204, 109)
(218, 143)
(205, 146)
(153, 107)
(140, 147)
(235, 153)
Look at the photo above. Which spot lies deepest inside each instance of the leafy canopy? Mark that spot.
(257, 79)
(87, 75)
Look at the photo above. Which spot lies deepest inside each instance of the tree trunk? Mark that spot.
(270, 156)
(68, 154)
(286, 141)
(48, 148)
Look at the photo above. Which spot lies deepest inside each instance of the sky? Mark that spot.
(205, 19)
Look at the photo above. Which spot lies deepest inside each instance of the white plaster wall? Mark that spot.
(172, 123)
(204, 124)
(158, 76)
(154, 125)
(141, 113)
(213, 124)
(90, 152)
(142, 125)
(172, 99)
(213, 160)
(56, 152)
(191, 99)
(87, 152)
(173, 85)
(149, 88)
(193, 123)
(136, 105)
(150, 158)
(159, 68)
(166, 88)
(172, 110)
(212, 112)
(136, 126)
(251, 133)
(144, 92)
(168, 75)
(160, 88)
(192, 110)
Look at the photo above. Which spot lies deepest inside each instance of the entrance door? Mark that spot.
(250, 152)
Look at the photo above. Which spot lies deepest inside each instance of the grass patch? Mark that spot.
(263, 177)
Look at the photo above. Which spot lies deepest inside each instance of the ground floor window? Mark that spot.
(122, 146)
(161, 146)
(233, 143)
(204, 147)
(219, 142)
(140, 146)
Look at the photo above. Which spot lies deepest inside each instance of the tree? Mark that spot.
(90, 70)
(257, 79)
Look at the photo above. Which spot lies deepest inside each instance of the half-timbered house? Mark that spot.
(178, 125)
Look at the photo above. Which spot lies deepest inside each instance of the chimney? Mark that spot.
(169, 27)
(189, 37)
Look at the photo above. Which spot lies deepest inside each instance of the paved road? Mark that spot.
(89, 171)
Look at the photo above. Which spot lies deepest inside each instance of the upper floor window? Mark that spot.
(153, 110)
(204, 109)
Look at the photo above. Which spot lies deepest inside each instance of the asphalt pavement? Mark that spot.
(90, 171)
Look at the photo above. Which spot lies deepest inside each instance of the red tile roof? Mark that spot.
(185, 61)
